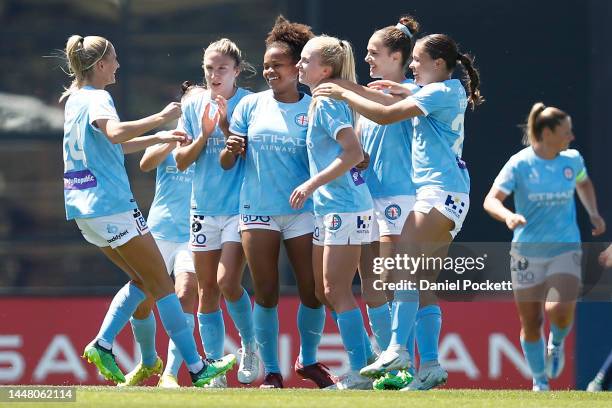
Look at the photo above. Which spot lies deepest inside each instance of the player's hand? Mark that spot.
(515, 220)
(301, 194)
(209, 124)
(235, 145)
(599, 225)
(222, 107)
(171, 112)
(172, 137)
(364, 163)
(605, 258)
(330, 90)
(390, 87)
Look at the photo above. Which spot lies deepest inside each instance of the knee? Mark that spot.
(532, 326)
(187, 294)
(230, 288)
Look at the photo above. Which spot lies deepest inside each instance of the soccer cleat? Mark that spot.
(388, 360)
(597, 384)
(217, 382)
(317, 373)
(391, 381)
(272, 380)
(540, 385)
(248, 370)
(142, 373)
(212, 369)
(429, 376)
(168, 381)
(352, 380)
(104, 360)
(555, 359)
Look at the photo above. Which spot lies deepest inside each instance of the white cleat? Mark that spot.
(596, 385)
(388, 360)
(248, 370)
(168, 381)
(217, 382)
(429, 376)
(540, 386)
(352, 380)
(555, 359)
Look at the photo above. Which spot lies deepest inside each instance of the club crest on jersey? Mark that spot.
(335, 223)
(301, 119)
(393, 212)
(454, 205)
(568, 172)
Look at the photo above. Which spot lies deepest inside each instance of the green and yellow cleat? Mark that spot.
(391, 381)
(104, 360)
(212, 369)
(142, 373)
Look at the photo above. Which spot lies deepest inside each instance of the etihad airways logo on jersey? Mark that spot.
(551, 198)
(278, 140)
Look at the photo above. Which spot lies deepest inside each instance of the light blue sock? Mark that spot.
(175, 359)
(310, 323)
(380, 323)
(212, 332)
(265, 321)
(428, 326)
(242, 315)
(352, 331)
(120, 311)
(411, 351)
(173, 319)
(534, 354)
(403, 316)
(366, 339)
(558, 334)
(144, 333)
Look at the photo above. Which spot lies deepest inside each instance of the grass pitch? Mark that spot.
(107, 397)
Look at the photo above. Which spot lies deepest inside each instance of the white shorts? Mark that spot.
(177, 256)
(290, 226)
(453, 206)
(210, 232)
(343, 228)
(390, 214)
(113, 230)
(531, 271)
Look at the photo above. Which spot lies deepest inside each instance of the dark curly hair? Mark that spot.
(289, 36)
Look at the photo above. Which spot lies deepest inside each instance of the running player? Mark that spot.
(441, 180)
(275, 123)
(546, 252)
(342, 202)
(215, 241)
(98, 197)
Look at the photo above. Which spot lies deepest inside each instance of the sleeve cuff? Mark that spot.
(339, 128)
(420, 106)
(502, 189)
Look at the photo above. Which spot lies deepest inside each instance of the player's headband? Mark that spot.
(404, 29)
(100, 57)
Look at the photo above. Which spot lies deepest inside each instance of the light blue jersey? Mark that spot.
(95, 180)
(215, 191)
(390, 169)
(169, 215)
(544, 195)
(349, 192)
(438, 137)
(277, 158)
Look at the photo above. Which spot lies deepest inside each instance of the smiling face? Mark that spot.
(311, 72)
(383, 63)
(280, 71)
(424, 68)
(107, 66)
(220, 73)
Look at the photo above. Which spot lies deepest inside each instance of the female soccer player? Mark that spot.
(389, 179)
(546, 251)
(215, 241)
(98, 197)
(275, 123)
(342, 202)
(440, 177)
(169, 224)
